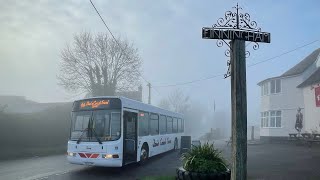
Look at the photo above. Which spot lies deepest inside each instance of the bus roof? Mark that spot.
(137, 105)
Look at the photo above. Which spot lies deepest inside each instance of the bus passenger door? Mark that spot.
(130, 136)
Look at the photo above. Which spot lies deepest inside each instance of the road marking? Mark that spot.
(45, 175)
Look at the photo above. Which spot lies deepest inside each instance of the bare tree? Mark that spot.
(194, 116)
(3, 108)
(194, 112)
(177, 101)
(99, 65)
(164, 104)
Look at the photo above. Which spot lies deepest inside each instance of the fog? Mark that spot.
(174, 57)
(33, 34)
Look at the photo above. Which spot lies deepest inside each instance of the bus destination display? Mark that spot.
(92, 104)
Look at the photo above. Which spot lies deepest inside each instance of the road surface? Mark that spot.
(56, 167)
(275, 161)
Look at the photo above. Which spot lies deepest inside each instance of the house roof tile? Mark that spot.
(300, 68)
(313, 79)
(303, 65)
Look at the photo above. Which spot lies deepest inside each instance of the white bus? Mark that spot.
(115, 131)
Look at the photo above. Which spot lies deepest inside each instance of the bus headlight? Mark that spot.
(71, 154)
(107, 156)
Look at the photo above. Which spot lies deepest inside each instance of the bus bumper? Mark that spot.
(96, 162)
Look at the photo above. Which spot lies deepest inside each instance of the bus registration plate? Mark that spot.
(88, 163)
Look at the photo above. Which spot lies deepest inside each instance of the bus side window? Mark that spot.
(175, 125)
(115, 126)
(154, 124)
(163, 124)
(169, 125)
(143, 123)
(180, 125)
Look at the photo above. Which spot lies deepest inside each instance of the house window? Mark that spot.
(278, 118)
(275, 118)
(318, 62)
(265, 89)
(265, 119)
(275, 86)
(271, 119)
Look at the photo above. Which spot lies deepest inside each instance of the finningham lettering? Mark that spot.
(94, 104)
(236, 34)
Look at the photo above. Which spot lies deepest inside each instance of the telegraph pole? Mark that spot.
(237, 27)
(252, 132)
(149, 98)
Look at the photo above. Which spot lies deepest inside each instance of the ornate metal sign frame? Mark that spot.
(237, 21)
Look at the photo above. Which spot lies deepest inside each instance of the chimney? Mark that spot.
(140, 92)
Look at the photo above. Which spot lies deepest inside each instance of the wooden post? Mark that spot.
(252, 132)
(236, 27)
(239, 110)
(149, 98)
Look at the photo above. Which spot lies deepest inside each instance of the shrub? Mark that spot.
(204, 159)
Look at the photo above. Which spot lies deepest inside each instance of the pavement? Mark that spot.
(265, 161)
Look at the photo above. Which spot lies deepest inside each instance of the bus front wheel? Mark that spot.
(144, 154)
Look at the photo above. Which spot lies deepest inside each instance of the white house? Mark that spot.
(281, 96)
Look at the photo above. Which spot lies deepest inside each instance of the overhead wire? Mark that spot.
(193, 81)
(254, 64)
(251, 65)
(123, 51)
(197, 80)
(105, 24)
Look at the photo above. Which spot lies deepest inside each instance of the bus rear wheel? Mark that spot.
(144, 154)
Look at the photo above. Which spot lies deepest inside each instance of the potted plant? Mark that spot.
(203, 162)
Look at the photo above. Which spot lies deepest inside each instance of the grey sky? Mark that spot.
(168, 35)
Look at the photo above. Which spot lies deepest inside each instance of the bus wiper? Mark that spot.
(96, 136)
(89, 133)
(91, 129)
(83, 131)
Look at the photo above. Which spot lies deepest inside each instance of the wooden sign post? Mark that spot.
(238, 28)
